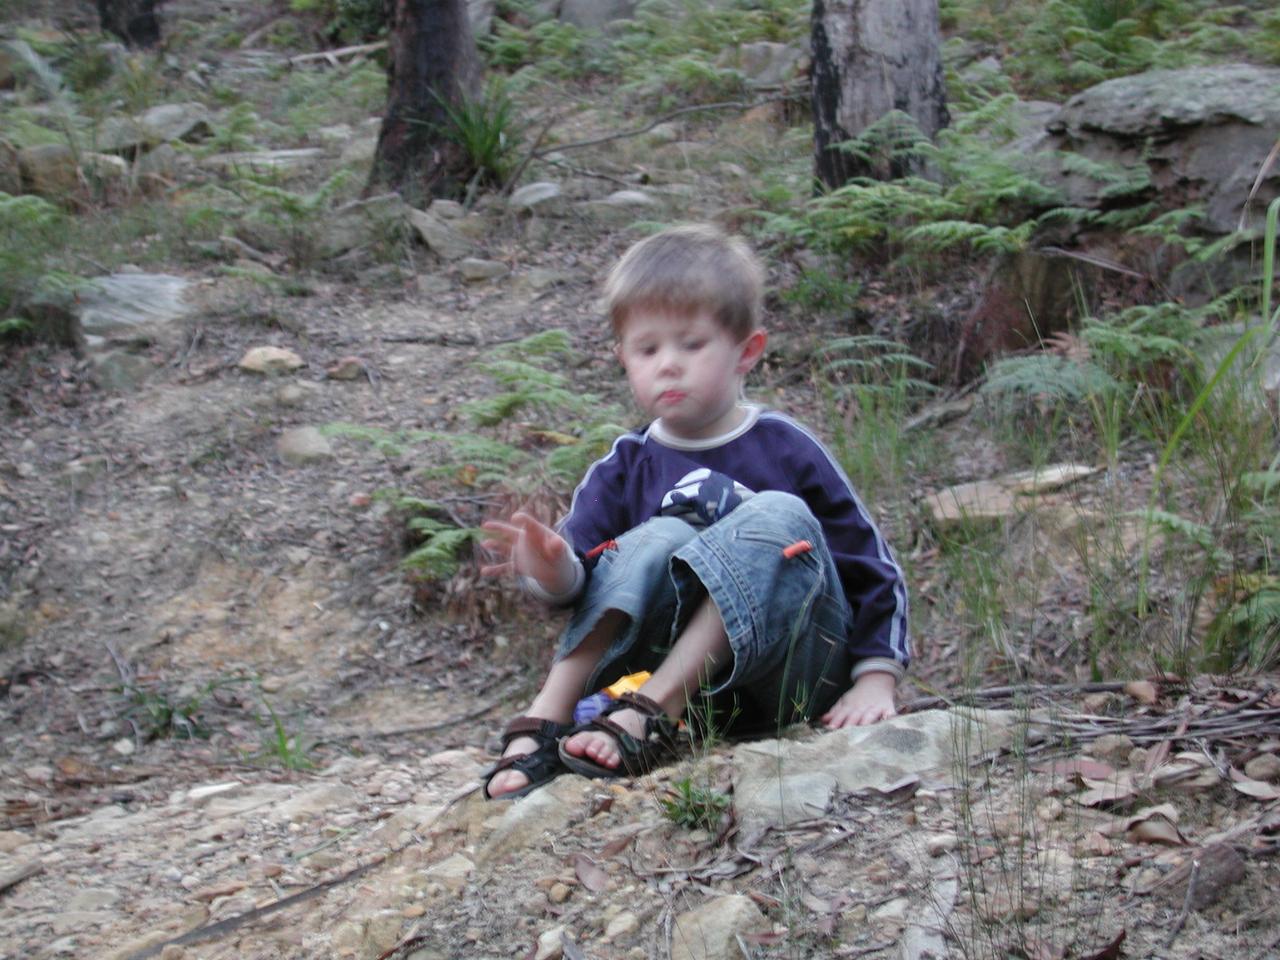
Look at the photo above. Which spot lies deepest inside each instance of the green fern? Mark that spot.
(1047, 375)
(439, 555)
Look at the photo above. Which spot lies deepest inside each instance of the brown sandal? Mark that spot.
(639, 754)
(540, 765)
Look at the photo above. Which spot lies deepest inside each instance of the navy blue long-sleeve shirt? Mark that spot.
(635, 481)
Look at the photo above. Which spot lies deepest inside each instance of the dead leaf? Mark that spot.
(1155, 829)
(590, 874)
(1106, 792)
(1257, 789)
(1144, 691)
(815, 903)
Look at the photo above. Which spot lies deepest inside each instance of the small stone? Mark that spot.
(1049, 809)
(348, 368)
(38, 773)
(303, 445)
(620, 926)
(1265, 766)
(558, 893)
(11, 840)
(125, 746)
(413, 911)
(475, 270)
(939, 843)
(270, 360)
(712, 930)
(550, 945)
(448, 209)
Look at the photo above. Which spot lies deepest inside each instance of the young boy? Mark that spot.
(722, 548)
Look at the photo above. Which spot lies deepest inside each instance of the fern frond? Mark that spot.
(1047, 375)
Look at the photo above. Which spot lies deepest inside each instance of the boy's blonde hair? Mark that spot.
(686, 270)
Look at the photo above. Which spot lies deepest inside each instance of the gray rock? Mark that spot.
(529, 819)
(252, 798)
(303, 445)
(448, 209)
(443, 239)
(164, 123)
(51, 170)
(360, 223)
(322, 797)
(544, 196)
(1203, 132)
(474, 270)
(121, 371)
(119, 310)
(710, 932)
(779, 781)
(270, 360)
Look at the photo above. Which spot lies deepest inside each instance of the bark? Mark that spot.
(871, 57)
(133, 21)
(432, 61)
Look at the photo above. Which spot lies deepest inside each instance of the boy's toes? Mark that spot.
(595, 747)
(506, 781)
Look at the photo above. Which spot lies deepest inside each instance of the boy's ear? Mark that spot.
(617, 352)
(752, 351)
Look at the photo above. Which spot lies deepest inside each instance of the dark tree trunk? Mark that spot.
(871, 57)
(432, 62)
(133, 21)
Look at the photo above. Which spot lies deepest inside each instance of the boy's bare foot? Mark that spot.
(509, 781)
(530, 757)
(599, 746)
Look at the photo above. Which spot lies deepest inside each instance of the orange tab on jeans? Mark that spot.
(596, 551)
(797, 548)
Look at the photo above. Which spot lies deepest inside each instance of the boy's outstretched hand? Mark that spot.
(527, 547)
(869, 700)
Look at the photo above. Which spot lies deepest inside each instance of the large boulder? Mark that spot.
(165, 123)
(1203, 133)
(54, 171)
(111, 319)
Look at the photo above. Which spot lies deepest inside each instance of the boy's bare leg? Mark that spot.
(695, 656)
(559, 694)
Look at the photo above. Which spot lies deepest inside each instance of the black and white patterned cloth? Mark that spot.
(703, 496)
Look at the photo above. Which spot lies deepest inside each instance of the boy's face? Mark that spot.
(687, 370)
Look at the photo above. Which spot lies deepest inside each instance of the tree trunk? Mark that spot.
(432, 66)
(133, 21)
(871, 57)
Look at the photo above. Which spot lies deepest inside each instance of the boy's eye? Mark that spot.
(695, 344)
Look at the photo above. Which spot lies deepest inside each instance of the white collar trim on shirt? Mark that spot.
(659, 433)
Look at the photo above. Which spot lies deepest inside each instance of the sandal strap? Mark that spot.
(541, 730)
(659, 729)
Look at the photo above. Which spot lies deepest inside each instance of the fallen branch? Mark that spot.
(696, 108)
(333, 56)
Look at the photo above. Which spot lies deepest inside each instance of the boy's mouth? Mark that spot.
(671, 396)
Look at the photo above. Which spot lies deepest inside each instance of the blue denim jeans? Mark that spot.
(786, 618)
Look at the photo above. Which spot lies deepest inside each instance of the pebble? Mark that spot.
(558, 893)
(620, 926)
(937, 844)
(125, 746)
(550, 946)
